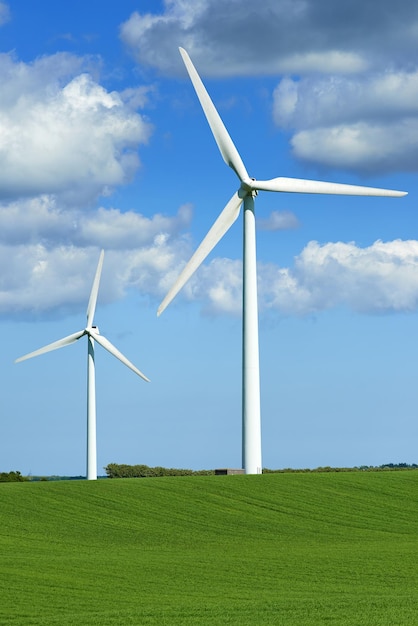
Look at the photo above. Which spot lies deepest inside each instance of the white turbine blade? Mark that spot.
(215, 234)
(297, 185)
(66, 341)
(225, 144)
(91, 307)
(105, 343)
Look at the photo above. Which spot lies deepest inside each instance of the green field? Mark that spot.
(300, 549)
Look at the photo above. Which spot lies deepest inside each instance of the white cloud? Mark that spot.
(50, 254)
(61, 134)
(278, 220)
(365, 124)
(34, 220)
(219, 285)
(311, 103)
(239, 38)
(356, 75)
(381, 278)
(42, 220)
(378, 279)
(50, 257)
(41, 279)
(285, 103)
(4, 13)
(361, 147)
(180, 23)
(327, 62)
(60, 130)
(113, 229)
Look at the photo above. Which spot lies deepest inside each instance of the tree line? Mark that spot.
(115, 470)
(361, 468)
(12, 477)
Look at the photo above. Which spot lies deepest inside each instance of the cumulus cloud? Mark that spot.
(33, 220)
(40, 280)
(333, 100)
(65, 140)
(50, 254)
(219, 286)
(63, 133)
(4, 13)
(349, 92)
(41, 219)
(276, 36)
(221, 50)
(368, 123)
(378, 279)
(278, 220)
(381, 278)
(113, 229)
(361, 147)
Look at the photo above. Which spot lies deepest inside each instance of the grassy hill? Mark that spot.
(283, 549)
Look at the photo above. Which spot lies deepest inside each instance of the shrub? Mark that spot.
(12, 477)
(114, 470)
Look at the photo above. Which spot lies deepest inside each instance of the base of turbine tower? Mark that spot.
(228, 472)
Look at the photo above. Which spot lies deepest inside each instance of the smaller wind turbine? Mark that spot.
(93, 335)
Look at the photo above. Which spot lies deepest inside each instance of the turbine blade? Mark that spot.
(298, 185)
(105, 343)
(215, 234)
(91, 307)
(225, 144)
(66, 341)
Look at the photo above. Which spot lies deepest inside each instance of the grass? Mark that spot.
(280, 549)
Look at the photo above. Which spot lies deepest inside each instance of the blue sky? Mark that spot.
(103, 145)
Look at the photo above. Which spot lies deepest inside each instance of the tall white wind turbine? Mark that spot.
(93, 335)
(251, 422)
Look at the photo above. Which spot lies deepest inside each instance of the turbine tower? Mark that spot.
(249, 187)
(93, 335)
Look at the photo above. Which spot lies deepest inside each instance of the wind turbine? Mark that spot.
(249, 187)
(93, 335)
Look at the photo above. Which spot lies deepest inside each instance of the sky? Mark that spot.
(103, 145)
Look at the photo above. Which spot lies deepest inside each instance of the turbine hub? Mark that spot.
(247, 188)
